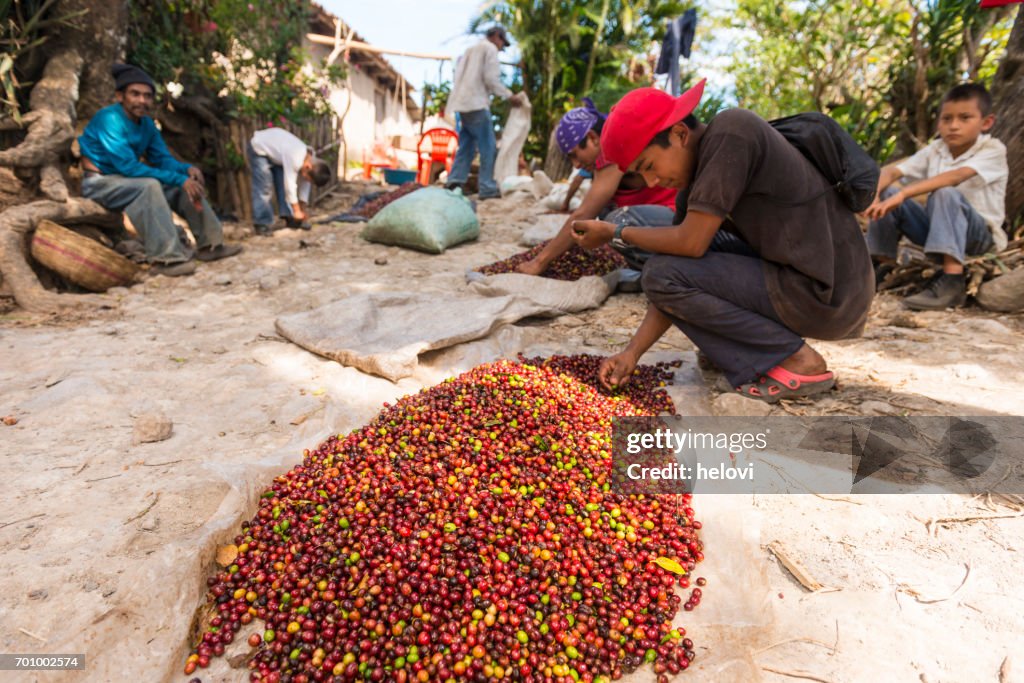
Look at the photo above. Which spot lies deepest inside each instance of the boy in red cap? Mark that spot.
(795, 263)
(614, 196)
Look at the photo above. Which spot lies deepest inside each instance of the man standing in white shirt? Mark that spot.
(477, 77)
(282, 164)
(965, 172)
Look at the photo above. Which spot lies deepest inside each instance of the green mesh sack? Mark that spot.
(430, 220)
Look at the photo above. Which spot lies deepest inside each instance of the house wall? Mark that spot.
(375, 114)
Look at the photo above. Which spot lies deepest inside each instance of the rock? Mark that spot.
(1004, 293)
(222, 279)
(90, 586)
(907, 320)
(151, 427)
(10, 420)
(734, 404)
(381, 261)
(38, 594)
(118, 291)
(985, 326)
(270, 282)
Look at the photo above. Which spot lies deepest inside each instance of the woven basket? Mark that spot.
(83, 261)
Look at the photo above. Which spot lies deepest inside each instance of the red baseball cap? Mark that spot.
(639, 116)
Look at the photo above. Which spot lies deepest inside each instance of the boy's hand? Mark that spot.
(197, 175)
(883, 207)
(616, 370)
(592, 234)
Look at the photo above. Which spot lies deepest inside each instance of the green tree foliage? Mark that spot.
(576, 48)
(879, 67)
(246, 52)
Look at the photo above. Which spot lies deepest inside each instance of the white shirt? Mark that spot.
(289, 152)
(477, 77)
(985, 191)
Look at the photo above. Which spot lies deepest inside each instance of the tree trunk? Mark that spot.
(556, 165)
(87, 46)
(99, 36)
(1008, 92)
(598, 37)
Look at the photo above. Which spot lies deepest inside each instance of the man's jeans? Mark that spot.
(477, 134)
(267, 180)
(148, 204)
(720, 301)
(948, 226)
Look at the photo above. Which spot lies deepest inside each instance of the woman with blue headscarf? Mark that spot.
(614, 196)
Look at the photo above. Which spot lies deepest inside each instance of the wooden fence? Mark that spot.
(234, 180)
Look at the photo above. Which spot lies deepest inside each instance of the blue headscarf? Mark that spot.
(575, 125)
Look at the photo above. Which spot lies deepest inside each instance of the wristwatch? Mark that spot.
(617, 241)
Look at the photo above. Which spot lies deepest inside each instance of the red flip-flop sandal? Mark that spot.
(779, 383)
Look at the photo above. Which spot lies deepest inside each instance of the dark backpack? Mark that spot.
(848, 169)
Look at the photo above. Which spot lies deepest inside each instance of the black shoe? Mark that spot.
(944, 291)
(454, 186)
(173, 269)
(218, 252)
(263, 230)
(485, 197)
(297, 224)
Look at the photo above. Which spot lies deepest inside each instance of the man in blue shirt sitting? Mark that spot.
(113, 145)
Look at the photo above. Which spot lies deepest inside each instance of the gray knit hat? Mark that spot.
(126, 74)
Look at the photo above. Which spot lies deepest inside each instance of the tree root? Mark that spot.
(15, 225)
(51, 128)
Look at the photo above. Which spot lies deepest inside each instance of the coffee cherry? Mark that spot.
(572, 265)
(468, 531)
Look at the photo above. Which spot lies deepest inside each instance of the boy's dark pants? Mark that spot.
(948, 225)
(720, 301)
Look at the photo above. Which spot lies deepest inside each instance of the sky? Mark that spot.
(437, 27)
(441, 26)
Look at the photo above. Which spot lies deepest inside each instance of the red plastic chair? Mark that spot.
(438, 145)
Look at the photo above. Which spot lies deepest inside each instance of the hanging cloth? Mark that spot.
(678, 40)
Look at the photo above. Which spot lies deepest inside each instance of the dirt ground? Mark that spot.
(105, 543)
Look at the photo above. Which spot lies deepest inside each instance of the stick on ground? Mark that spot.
(794, 567)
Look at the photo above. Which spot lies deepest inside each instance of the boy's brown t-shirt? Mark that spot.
(814, 256)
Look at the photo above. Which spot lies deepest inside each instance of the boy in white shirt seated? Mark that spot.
(965, 171)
